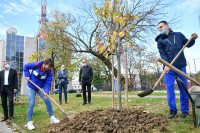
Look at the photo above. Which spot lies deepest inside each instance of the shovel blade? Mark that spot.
(145, 93)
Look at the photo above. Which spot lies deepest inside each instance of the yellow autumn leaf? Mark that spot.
(112, 47)
(116, 19)
(115, 33)
(107, 3)
(118, 4)
(128, 45)
(127, 16)
(121, 21)
(106, 55)
(121, 34)
(108, 44)
(113, 38)
(106, 13)
(115, 16)
(135, 17)
(102, 49)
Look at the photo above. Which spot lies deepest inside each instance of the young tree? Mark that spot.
(101, 29)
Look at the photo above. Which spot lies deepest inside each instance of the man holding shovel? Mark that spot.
(41, 75)
(169, 43)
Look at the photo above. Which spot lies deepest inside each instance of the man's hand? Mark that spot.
(27, 78)
(15, 90)
(167, 69)
(194, 36)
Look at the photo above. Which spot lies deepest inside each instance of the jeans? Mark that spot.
(64, 86)
(31, 102)
(169, 80)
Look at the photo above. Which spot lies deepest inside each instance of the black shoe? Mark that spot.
(11, 118)
(89, 102)
(184, 114)
(84, 104)
(172, 114)
(4, 119)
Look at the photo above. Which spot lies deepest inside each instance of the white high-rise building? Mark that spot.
(17, 50)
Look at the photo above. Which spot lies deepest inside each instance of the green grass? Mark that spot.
(157, 105)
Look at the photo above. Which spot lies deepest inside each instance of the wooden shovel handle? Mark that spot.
(178, 71)
(161, 76)
(49, 97)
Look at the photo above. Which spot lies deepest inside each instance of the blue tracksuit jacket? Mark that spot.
(170, 45)
(45, 84)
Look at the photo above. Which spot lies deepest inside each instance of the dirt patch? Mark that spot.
(109, 121)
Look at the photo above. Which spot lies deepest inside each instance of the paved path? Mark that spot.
(4, 127)
(131, 96)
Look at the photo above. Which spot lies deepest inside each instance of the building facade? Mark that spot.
(17, 50)
(2, 51)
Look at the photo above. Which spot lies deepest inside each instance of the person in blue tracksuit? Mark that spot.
(169, 43)
(40, 73)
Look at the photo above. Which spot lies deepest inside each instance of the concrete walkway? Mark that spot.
(130, 96)
(4, 127)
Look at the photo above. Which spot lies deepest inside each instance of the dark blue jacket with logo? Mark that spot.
(45, 84)
(170, 45)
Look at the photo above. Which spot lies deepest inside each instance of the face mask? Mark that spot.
(163, 32)
(62, 69)
(7, 66)
(83, 64)
(45, 68)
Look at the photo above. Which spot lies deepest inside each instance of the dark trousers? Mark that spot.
(64, 87)
(7, 94)
(88, 85)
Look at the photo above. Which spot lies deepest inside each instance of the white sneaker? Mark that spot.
(54, 120)
(30, 125)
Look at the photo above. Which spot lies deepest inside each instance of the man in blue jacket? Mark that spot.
(41, 75)
(169, 43)
(62, 83)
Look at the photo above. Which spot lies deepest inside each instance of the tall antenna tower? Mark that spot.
(43, 18)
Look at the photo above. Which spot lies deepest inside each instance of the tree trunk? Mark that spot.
(109, 65)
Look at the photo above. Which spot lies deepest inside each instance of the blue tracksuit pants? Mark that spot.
(169, 79)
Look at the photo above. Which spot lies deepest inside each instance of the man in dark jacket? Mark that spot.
(62, 83)
(85, 79)
(9, 85)
(169, 43)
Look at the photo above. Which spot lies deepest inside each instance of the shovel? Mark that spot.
(49, 98)
(148, 92)
(191, 100)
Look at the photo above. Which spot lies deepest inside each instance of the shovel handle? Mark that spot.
(161, 76)
(176, 70)
(49, 97)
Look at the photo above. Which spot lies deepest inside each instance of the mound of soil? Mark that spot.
(109, 121)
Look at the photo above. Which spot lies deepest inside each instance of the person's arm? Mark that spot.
(80, 72)
(65, 74)
(29, 66)
(16, 80)
(163, 53)
(91, 72)
(59, 75)
(48, 81)
(192, 42)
